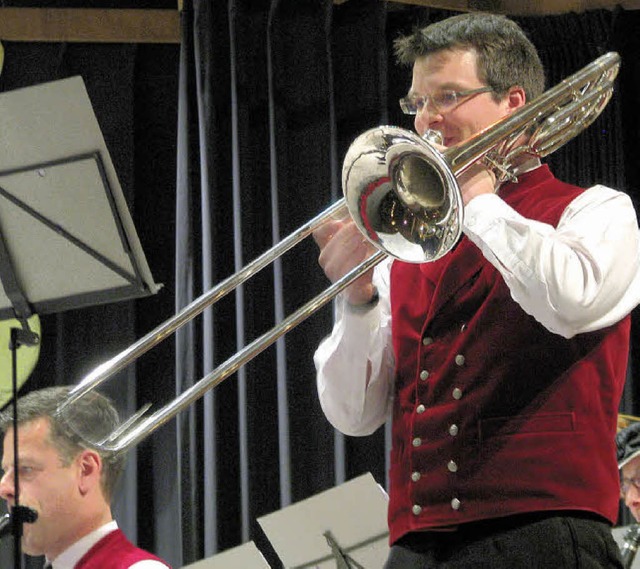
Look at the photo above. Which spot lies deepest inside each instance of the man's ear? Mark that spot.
(516, 98)
(89, 465)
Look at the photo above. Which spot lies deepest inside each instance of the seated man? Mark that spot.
(68, 484)
(628, 448)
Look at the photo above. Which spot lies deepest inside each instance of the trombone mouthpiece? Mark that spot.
(433, 137)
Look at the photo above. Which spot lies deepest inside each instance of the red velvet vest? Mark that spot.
(493, 414)
(113, 551)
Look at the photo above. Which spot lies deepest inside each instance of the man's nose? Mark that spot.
(426, 119)
(7, 489)
(632, 496)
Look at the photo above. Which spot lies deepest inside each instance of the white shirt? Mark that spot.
(582, 276)
(68, 558)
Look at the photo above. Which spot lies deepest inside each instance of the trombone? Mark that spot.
(403, 195)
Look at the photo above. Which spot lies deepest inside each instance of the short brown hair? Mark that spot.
(505, 56)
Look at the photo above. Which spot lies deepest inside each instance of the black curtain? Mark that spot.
(224, 145)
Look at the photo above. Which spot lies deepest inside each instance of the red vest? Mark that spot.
(493, 414)
(113, 551)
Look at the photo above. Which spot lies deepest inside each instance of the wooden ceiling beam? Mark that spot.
(93, 25)
(90, 25)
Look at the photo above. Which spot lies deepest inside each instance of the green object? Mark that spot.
(26, 357)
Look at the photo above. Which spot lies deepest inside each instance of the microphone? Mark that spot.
(630, 545)
(22, 513)
(5, 525)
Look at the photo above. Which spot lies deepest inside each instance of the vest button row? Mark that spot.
(416, 509)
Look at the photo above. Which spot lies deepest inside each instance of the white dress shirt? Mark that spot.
(68, 558)
(582, 276)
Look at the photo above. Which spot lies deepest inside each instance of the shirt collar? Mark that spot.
(70, 556)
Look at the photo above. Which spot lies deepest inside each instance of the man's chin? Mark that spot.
(30, 544)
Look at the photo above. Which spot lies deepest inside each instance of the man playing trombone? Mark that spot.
(68, 484)
(502, 362)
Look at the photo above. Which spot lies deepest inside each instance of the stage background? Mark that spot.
(223, 145)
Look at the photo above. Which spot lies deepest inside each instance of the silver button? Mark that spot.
(424, 374)
(426, 341)
(463, 328)
(416, 510)
(455, 504)
(452, 466)
(415, 476)
(460, 360)
(453, 430)
(457, 393)
(416, 442)
(420, 408)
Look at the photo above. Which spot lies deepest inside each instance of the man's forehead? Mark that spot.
(34, 444)
(445, 70)
(37, 430)
(632, 468)
(438, 59)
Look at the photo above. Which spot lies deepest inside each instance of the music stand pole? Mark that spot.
(19, 514)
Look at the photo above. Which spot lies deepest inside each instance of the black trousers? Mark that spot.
(556, 541)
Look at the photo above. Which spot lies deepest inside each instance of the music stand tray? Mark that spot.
(245, 556)
(66, 227)
(344, 527)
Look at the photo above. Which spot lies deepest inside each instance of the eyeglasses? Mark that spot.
(441, 101)
(626, 483)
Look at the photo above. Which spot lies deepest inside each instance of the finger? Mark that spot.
(346, 250)
(325, 232)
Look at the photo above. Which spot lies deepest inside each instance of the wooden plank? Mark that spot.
(548, 7)
(89, 25)
(520, 8)
(456, 5)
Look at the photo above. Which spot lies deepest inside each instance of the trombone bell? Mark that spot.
(402, 194)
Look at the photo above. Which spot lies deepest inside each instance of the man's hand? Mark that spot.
(342, 248)
(476, 180)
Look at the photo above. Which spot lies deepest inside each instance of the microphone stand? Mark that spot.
(19, 514)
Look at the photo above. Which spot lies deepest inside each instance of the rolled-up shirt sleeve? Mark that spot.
(580, 276)
(355, 364)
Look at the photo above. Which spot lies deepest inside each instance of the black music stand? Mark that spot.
(67, 239)
(344, 527)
